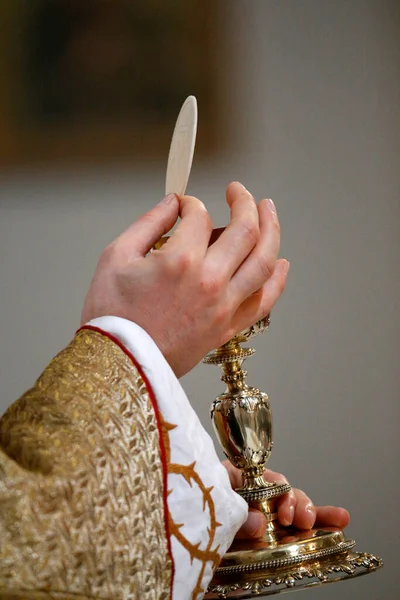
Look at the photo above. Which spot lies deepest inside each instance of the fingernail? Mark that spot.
(287, 267)
(310, 510)
(167, 199)
(255, 524)
(241, 185)
(291, 514)
(288, 518)
(271, 206)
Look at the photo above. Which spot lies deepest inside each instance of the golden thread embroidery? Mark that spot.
(81, 487)
(192, 477)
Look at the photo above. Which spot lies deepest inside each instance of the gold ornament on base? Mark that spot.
(284, 558)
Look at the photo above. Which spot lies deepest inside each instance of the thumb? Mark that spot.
(150, 227)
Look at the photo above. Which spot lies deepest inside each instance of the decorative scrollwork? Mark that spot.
(224, 406)
(350, 565)
(249, 402)
(255, 457)
(254, 400)
(259, 327)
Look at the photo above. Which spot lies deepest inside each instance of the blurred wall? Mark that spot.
(313, 96)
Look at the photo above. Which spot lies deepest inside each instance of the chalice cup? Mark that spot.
(284, 558)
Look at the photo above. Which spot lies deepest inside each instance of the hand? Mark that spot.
(191, 297)
(294, 508)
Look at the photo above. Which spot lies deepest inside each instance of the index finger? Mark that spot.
(241, 235)
(193, 231)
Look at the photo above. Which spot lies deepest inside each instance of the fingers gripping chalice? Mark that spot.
(285, 558)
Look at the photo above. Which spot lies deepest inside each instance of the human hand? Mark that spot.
(191, 297)
(294, 508)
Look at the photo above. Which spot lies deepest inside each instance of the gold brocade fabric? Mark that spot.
(81, 483)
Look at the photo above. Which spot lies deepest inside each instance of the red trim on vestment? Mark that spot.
(163, 454)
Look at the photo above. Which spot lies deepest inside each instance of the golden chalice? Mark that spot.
(285, 558)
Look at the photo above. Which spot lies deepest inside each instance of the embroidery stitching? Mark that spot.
(189, 473)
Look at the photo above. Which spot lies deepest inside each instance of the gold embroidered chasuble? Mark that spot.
(82, 489)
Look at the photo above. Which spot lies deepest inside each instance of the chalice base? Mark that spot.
(286, 560)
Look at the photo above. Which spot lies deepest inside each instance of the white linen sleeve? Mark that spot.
(204, 512)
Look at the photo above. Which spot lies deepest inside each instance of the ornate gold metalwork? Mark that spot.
(284, 558)
(339, 568)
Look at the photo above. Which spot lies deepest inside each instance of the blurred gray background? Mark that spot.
(312, 93)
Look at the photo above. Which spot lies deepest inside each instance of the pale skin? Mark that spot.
(191, 297)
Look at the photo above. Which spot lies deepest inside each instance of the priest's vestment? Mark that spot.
(110, 488)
